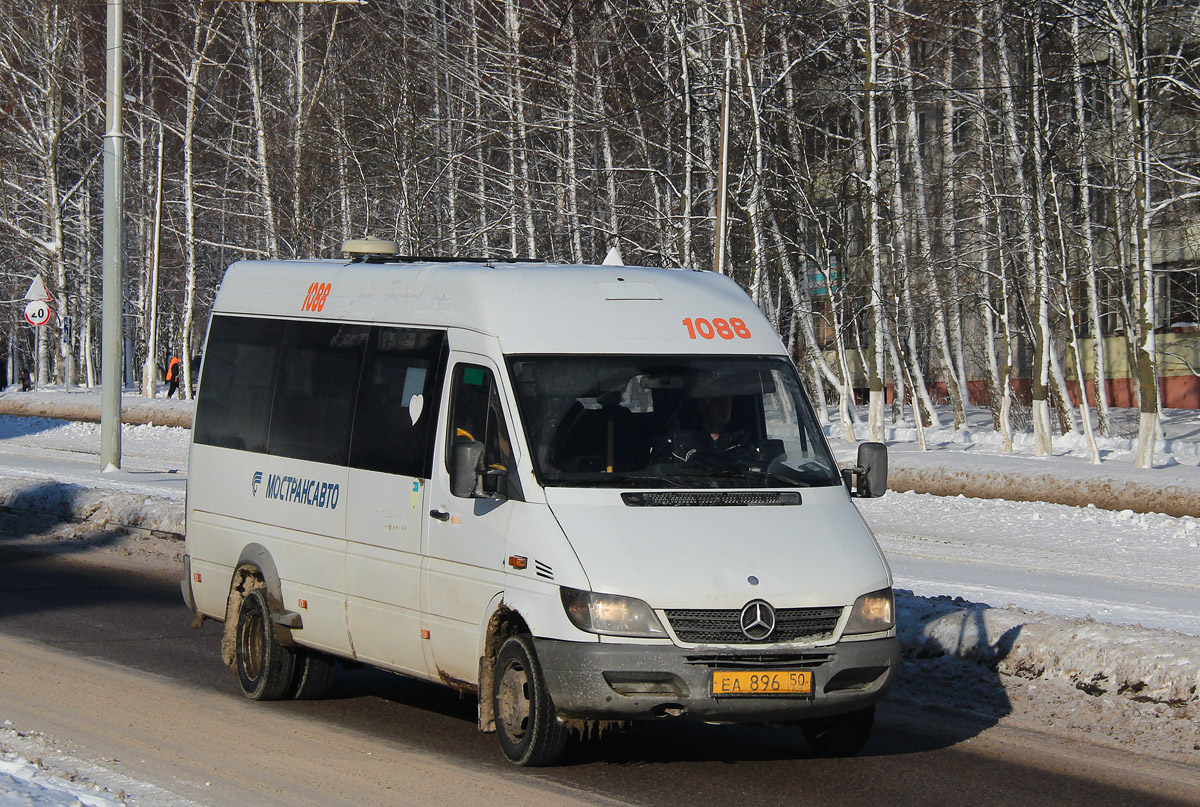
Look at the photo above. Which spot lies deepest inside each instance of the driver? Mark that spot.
(705, 436)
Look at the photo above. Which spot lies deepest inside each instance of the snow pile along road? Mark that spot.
(1149, 666)
(970, 462)
(1028, 486)
(85, 407)
(33, 784)
(93, 508)
(1127, 687)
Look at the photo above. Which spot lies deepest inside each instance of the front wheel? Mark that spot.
(526, 723)
(840, 735)
(265, 667)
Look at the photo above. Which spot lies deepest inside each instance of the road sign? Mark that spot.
(37, 312)
(37, 290)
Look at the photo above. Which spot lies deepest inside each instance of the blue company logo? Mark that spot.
(311, 492)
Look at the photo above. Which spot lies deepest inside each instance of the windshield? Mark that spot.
(670, 421)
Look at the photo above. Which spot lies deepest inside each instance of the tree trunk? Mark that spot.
(150, 365)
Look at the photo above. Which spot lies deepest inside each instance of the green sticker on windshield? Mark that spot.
(473, 376)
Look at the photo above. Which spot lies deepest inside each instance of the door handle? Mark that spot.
(440, 515)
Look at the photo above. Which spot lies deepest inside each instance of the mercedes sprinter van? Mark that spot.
(587, 494)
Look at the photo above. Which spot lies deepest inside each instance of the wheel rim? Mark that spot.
(512, 700)
(252, 646)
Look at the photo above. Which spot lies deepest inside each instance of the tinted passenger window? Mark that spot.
(398, 402)
(315, 389)
(233, 409)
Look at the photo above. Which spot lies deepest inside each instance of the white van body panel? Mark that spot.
(236, 499)
(536, 536)
(466, 553)
(813, 555)
(385, 518)
(562, 309)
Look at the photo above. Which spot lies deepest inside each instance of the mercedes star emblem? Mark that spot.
(758, 620)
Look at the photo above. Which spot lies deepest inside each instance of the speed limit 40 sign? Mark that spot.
(38, 312)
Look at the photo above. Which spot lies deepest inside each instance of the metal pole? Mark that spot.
(114, 197)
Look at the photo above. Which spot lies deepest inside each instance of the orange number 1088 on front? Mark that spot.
(733, 328)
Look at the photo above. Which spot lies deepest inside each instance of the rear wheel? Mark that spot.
(526, 723)
(314, 675)
(840, 735)
(265, 667)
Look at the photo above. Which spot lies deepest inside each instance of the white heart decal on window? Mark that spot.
(415, 405)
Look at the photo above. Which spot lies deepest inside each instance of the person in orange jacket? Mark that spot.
(172, 376)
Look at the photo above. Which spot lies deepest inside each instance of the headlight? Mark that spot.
(610, 614)
(873, 613)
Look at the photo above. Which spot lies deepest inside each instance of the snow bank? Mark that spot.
(27, 784)
(1097, 658)
(1106, 493)
(85, 406)
(1123, 687)
(971, 461)
(93, 508)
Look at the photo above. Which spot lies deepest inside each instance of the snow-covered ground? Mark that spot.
(1087, 618)
(30, 784)
(1130, 564)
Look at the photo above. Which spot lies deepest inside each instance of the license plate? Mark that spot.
(762, 682)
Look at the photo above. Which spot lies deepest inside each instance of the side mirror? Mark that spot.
(464, 470)
(872, 470)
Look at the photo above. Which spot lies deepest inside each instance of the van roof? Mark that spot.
(529, 307)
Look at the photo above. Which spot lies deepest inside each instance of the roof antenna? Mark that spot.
(613, 258)
(364, 248)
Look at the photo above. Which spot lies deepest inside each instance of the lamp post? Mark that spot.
(114, 197)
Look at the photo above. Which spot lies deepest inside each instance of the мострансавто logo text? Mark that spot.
(312, 492)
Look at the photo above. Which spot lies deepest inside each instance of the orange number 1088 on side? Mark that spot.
(733, 328)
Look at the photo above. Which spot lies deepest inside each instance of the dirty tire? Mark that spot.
(264, 666)
(839, 735)
(313, 677)
(526, 724)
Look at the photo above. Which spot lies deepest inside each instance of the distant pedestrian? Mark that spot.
(26, 381)
(172, 376)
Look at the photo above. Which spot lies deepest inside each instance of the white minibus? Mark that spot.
(587, 494)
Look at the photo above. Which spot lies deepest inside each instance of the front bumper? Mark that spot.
(629, 682)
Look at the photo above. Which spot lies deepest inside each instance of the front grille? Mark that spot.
(744, 661)
(723, 626)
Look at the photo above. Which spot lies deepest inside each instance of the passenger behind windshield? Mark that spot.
(670, 421)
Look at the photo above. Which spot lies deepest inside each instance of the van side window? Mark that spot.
(314, 392)
(234, 400)
(398, 402)
(476, 414)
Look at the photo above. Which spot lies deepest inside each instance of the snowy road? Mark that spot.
(104, 661)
